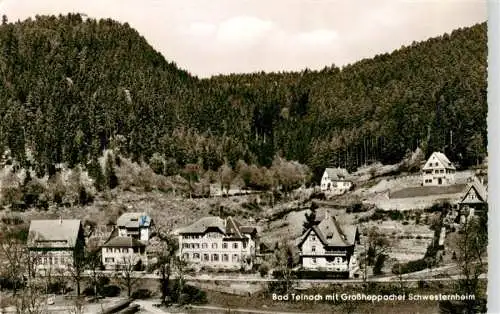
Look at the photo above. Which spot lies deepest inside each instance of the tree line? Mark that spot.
(73, 87)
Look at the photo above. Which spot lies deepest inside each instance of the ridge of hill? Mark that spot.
(71, 88)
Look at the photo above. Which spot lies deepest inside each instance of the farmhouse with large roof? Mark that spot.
(56, 244)
(328, 246)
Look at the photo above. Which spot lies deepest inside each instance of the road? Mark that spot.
(426, 274)
(148, 305)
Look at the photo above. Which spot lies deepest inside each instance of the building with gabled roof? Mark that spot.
(438, 170)
(329, 246)
(57, 244)
(135, 224)
(214, 242)
(123, 252)
(336, 181)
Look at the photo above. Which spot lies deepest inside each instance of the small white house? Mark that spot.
(335, 180)
(135, 225)
(438, 170)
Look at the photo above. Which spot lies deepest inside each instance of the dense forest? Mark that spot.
(71, 87)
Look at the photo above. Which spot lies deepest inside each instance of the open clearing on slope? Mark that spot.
(427, 191)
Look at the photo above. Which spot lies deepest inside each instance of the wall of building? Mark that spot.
(141, 234)
(338, 187)
(431, 177)
(144, 234)
(53, 260)
(111, 257)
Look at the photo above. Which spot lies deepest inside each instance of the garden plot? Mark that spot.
(407, 242)
(291, 226)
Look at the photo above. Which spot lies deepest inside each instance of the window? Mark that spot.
(197, 245)
(244, 245)
(235, 258)
(224, 245)
(313, 248)
(109, 260)
(235, 245)
(196, 256)
(214, 245)
(215, 257)
(225, 258)
(204, 245)
(205, 257)
(185, 256)
(314, 260)
(313, 237)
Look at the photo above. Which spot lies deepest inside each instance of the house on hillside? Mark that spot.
(218, 243)
(56, 245)
(124, 252)
(438, 170)
(474, 199)
(329, 247)
(135, 225)
(335, 180)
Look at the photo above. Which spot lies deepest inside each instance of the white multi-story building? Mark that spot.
(438, 170)
(136, 225)
(123, 252)
(213, 242)
(327, 246)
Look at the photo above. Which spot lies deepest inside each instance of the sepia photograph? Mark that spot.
(237, 156)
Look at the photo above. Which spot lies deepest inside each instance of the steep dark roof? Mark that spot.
(229, 227)
(337, 174)
(332, 234)
(60, 233)
(134, 220)
(126, 242)
(477, 188)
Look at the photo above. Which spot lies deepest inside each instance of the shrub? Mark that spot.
(110, 291)
(379, 214)
(410, 267)
(264, 269)
(190, 294)
(318, 195)
(141, 294)
(356, 208)
(12, 220)
(379, 264)
(396, 215)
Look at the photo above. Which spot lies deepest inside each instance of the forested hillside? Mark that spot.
(72, 87)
